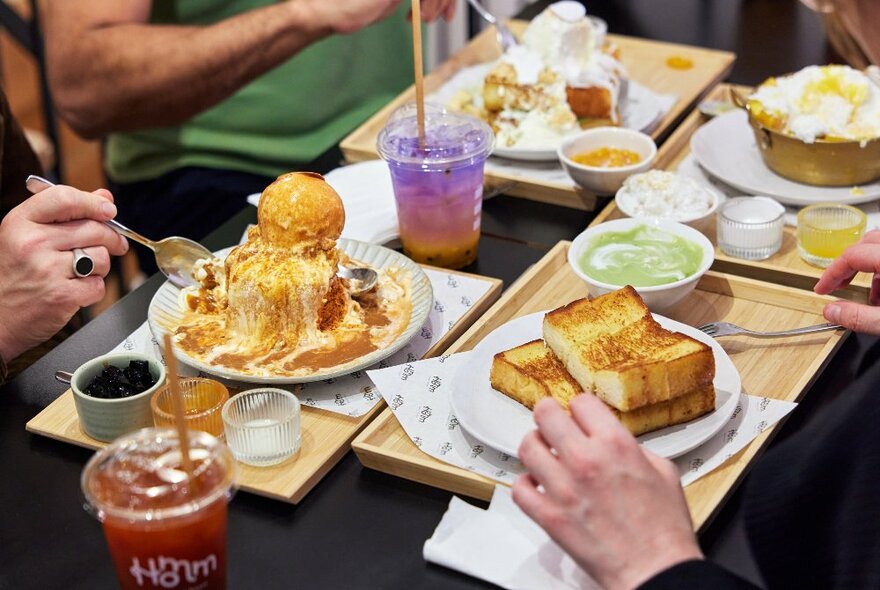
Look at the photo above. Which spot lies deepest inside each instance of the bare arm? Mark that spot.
(111, 70)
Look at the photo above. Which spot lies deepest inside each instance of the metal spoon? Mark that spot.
(366, 279)
(504, 35)
(63, 377)
(175, 256)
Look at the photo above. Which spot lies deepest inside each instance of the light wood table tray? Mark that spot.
(779, 368)
(326, 436)
(644, 59)
(786, 267)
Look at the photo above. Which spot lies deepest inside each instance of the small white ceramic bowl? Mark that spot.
(107, 419)
(605, 181)
(658, 298)
(627, 200)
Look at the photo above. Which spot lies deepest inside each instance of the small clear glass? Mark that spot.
(825, 230)
(262, 426)
(203, 400)
(750, 227)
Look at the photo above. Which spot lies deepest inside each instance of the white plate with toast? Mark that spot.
(502, 423)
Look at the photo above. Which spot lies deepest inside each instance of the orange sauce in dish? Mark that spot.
(606, 157)
(678, 62)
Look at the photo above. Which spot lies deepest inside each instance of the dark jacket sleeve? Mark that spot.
(697, 574)
(17, 160)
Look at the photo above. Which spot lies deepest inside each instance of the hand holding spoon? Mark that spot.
(175, 256)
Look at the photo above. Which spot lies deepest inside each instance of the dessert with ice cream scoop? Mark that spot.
(275, 306)
(820, 102)
(563, 77)
(819, 126)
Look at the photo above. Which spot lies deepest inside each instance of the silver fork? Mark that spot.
(504, 35)
(716, 329)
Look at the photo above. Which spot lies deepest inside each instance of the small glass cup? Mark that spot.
(203, 401)
(825, 230)
(262, 426)
(750, 227)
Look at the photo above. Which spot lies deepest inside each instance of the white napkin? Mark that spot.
(366, 192)
(503, 546)
(418, 394)
(354, 395)
(691, 169)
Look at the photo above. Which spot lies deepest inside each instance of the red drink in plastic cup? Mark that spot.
(162, 530)
(438, 186)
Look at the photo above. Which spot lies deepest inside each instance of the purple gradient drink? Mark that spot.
(439, 186)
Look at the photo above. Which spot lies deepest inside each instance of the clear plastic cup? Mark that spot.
(438, 186)
(825, 230)
(750, 227)
(203, 400)
(262, 425)
(163, 530)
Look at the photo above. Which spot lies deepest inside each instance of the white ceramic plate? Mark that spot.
(641, 109)
(725, 147)
(164, 314)
(502, 423)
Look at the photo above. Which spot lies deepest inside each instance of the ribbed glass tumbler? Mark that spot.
(262, 425)
(750, 227)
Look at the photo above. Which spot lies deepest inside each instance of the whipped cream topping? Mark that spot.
(820, 102)
(567, 41)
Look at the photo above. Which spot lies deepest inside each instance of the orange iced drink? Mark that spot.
(163, 530)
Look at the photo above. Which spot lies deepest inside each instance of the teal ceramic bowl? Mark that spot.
(108, 419)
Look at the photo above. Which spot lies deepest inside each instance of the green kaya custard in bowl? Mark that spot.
(644, 256)
(662, 259)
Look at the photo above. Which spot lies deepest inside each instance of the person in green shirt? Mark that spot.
(205, 101)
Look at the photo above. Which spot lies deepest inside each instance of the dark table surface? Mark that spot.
(359, 528)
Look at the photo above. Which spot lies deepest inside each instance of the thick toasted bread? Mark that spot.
(684, 408)
(615, 349)
(594, 102)
(531, 372)
(583, 319)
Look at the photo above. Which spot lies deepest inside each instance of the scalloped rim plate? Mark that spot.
(502, 423)
(165, 312)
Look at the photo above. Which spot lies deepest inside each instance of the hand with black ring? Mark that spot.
(40, 290)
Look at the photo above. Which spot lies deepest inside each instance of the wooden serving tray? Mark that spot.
(646, 62)
(781, 369)
(325, 436)
(786, 267)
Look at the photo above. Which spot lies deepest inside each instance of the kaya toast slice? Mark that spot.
(614, 348)
(531, 372)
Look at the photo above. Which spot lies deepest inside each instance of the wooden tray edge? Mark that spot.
(372, 455)
(359, 424)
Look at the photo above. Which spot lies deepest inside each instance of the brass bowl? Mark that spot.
(821, 163)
